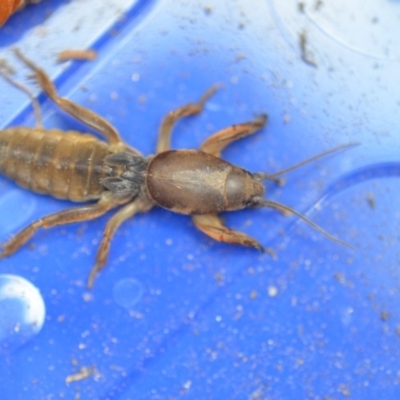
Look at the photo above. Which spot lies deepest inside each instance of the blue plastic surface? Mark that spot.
(176, 315)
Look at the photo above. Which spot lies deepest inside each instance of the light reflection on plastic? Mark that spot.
(22, 312)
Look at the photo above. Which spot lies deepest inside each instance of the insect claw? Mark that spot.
(263, 118)
(6, 69)
(4, 250)
(260, 247)
(91, 278)
(32, 78)
(271, 252)
(93, 274)
(209, 93)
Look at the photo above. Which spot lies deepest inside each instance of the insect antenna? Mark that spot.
(313, 158)
(261, 202)
(275, 176)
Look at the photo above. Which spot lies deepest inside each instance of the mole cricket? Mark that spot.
(112, 174)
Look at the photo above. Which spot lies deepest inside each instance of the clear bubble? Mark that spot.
(128, 292)
(22, 312)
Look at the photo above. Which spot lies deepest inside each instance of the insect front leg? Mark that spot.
(164, 135)
(218, 141)
(128, 211)
(213, 226)
(76, 214)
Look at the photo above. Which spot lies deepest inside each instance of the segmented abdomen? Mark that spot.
(66, 165)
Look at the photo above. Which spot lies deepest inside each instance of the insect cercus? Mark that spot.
(112, 174)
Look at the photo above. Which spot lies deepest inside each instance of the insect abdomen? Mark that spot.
(65, 165)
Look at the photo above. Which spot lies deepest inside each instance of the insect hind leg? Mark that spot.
(71, 215)
(128, 211)
(6, 71)
(80, 113)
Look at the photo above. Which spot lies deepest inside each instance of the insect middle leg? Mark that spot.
(167, 124)
(76, 214)
(213, 226)
(128, 211)
(81, 113)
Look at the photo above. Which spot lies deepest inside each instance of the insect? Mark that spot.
(111, 174)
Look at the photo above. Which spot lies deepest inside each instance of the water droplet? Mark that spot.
(22, 312)
(347, 315)
(128, 292)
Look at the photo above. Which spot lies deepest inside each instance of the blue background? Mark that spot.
(204, 320)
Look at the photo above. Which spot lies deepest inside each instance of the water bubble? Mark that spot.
(128, 292)
(22, 312)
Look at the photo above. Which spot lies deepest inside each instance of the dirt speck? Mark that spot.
(371, 201)
(384, 315)
(304, 51)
